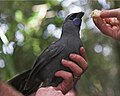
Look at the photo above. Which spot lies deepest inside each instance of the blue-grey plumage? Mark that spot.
(42, 72)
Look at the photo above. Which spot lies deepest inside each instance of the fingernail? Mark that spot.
(82, 49)
(72, 55)
(63, 60)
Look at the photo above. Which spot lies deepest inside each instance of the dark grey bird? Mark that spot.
(43, 71)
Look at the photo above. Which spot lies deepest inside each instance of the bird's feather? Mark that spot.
(44, 59)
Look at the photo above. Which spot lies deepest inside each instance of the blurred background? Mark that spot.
(28, 27)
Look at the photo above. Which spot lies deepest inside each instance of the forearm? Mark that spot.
(6, 90)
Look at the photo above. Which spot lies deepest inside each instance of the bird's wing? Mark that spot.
(47, 55)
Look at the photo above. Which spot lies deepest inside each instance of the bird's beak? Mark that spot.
(80, 14)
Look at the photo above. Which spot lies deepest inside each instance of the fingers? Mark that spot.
(108, 26)
(103, 27)
(83, 53)
(78, 65)
(112, 21)
(77, 71)
(48, 91)
(79, 60)
(67, 83)
(67, 76)
(111, 13)
(81, 65)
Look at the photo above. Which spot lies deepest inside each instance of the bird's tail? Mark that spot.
(18, 82)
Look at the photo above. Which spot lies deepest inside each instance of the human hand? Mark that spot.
(69, 78)
(48, 91)
(109, 22)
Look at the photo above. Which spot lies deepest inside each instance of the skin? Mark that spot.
(106, 24)
(6, 90)
(67, 84)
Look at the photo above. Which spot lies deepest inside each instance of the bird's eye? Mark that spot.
(76, 21)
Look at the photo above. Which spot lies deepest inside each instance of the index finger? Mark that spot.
(102, 26)
(110, 13)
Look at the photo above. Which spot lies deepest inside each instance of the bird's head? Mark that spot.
(72, 22)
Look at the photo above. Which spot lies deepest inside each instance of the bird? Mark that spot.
(42, 73)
